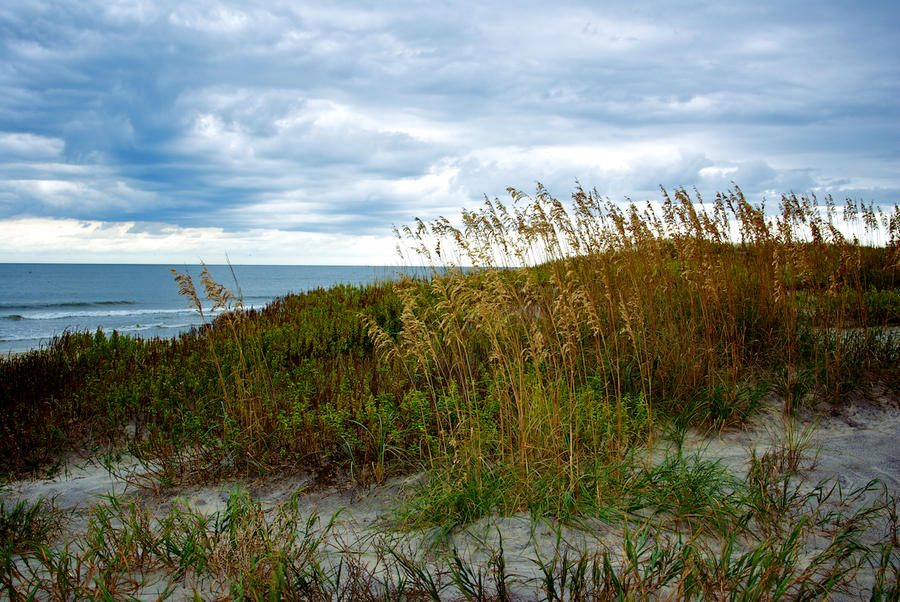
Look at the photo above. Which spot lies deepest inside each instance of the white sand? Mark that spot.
(852, 446)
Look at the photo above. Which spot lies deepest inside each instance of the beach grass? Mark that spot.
(555, 344)
(770, 536)
(621, 320)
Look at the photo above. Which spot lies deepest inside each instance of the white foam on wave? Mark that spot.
(117, 313)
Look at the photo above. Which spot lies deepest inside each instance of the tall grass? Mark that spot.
(618, 316)
(820, 543)
(253, 390)
(534, 379)
(581, 328)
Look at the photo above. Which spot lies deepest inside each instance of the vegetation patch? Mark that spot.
(553, 343)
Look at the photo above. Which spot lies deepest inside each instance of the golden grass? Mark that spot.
(579, 323)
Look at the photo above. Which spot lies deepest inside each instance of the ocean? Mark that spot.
(40, 301)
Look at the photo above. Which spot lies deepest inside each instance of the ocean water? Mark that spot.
(39, 301)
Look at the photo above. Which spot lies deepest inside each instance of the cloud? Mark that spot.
(22, 145)
(51, 188)
(346, 118)
(217, 19)
(68, 240)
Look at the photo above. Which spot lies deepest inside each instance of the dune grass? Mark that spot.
(768, 536)
(626, 318)
(622, 319)
(578, 333)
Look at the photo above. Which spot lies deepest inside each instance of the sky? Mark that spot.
(136, 131)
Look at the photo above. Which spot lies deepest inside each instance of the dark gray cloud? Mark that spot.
(346, 118)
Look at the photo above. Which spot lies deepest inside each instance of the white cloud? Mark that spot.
(96, 192)
(716, 171)
(392, 200)
(126, 11)
(210, 19)
(68, 240)
(240, 122)
(23, 145)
